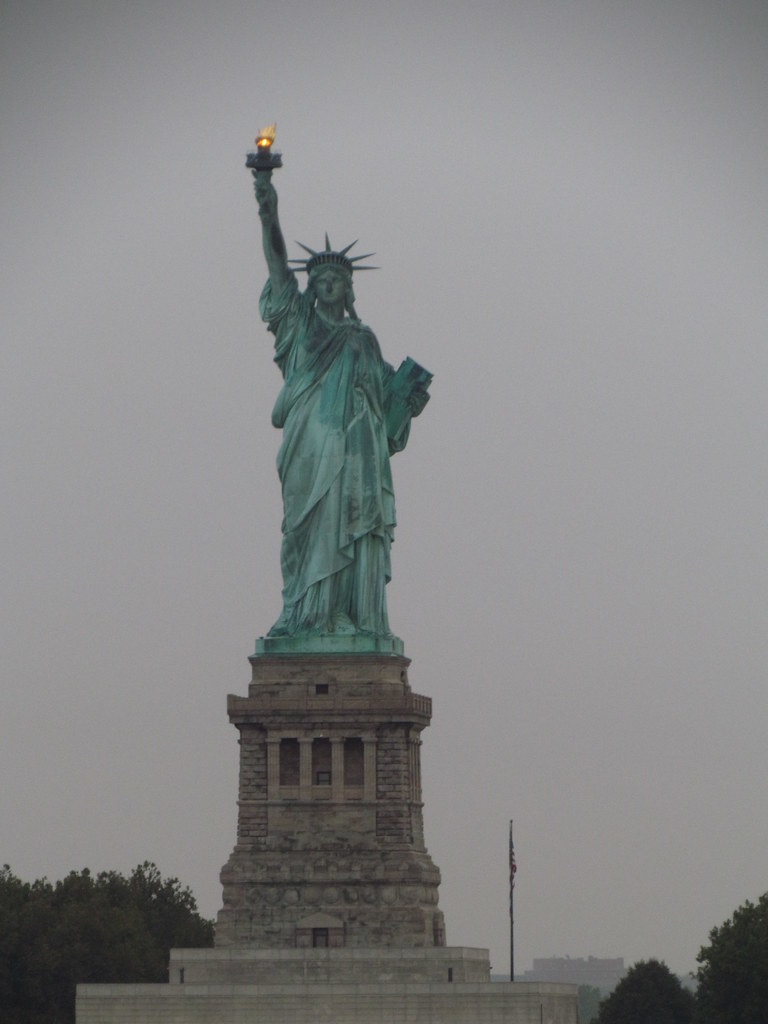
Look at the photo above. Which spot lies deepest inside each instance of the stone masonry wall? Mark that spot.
(393, 807)
(252, 816)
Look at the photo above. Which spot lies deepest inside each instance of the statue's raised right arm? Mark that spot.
(275, 252)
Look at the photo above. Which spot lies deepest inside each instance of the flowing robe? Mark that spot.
(338, 500)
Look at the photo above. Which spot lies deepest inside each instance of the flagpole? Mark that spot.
(512, 870)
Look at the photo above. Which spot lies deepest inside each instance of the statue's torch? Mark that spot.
(262, 158)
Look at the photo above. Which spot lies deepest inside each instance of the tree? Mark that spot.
(85, 929)
(14, 894)
(649, 993)
(589, 1003)
(733, 976)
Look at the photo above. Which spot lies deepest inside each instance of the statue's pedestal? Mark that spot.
(330, 898)
(330, 841)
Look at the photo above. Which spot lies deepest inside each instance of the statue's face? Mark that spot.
(330, 285)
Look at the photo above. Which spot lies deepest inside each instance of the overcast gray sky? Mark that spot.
(569, 204)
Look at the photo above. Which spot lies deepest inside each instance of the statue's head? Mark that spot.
(330, 282)
(330, 273)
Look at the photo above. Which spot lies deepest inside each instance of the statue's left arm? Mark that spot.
(400, 408)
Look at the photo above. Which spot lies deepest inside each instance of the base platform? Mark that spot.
(333, 986)
(334, 643)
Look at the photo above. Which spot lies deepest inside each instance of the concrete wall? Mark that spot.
(339, 966)
(335, 1004)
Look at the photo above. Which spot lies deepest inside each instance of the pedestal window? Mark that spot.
(321, 762)
(289, 762)
(353, 762)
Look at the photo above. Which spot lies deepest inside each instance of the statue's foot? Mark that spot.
(342, 625)
(380, 630)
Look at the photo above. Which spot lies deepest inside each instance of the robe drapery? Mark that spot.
(338, 500)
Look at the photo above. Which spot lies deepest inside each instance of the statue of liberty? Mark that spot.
(343, 411)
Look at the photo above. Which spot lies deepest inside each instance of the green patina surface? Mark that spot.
(343, 411)
(330, 643)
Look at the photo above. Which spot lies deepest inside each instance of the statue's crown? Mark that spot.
(329, 255)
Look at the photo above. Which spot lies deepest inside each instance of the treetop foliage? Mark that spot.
(106, 928)
(733, 976)
(649, 993)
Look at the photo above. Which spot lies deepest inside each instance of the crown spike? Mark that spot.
(345, 250)
(306, 248)
(327, 243)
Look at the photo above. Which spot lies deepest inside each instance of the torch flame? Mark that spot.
(266, 136)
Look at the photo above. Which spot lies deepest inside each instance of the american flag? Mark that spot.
(512, 866)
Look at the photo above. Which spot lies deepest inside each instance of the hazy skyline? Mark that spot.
(569, 206)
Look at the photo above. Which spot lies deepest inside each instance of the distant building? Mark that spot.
(604, 974)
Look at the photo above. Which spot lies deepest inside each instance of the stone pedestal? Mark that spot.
(330, 839)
